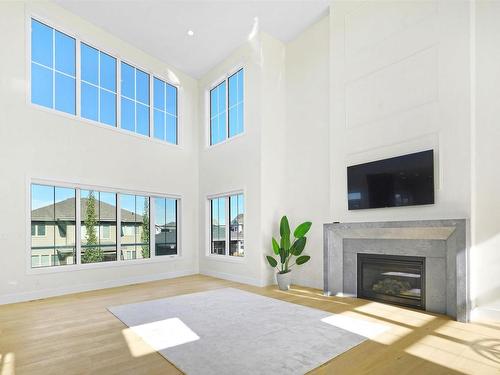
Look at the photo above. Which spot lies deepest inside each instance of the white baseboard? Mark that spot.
(485, 313)
(232, 277)
(39, 294)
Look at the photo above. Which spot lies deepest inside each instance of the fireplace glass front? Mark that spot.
(393, 279)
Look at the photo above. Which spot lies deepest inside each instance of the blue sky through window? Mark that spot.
(134, 99)
(218, 113)
(237, 206)
(236, 103)
(53, 68)
(165, 211)
(165, 111)
(226, 113)
(98, 86)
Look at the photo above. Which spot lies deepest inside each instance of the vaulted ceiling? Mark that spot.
(160, 28)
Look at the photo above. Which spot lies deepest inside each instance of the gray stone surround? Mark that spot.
(443, 243)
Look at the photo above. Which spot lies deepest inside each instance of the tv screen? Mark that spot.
(406, 180)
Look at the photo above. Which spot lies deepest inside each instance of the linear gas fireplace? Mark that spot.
(392, 278)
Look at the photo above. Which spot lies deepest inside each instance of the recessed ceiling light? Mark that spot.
(190, 32)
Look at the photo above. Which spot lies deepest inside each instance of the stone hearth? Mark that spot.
(443, 244)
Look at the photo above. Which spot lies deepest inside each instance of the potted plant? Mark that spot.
(286, 249)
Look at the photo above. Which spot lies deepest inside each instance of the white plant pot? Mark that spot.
(284, 280)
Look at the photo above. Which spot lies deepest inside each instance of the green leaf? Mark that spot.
(271, 261)
(276, 247)
(285, 243)
(302, 259)
(302, 229)
(284, 227)
(298, 246)
(282, 256)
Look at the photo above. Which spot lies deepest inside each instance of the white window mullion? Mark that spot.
(53, 68)
(99, 86)
(78, 79)
(78, 229)
(151, 79)
(135, 105)
(227, 225)
(118, 228)
(118, 93)
(227, 108)
(152, 228)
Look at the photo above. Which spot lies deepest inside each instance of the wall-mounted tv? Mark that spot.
(406, 180)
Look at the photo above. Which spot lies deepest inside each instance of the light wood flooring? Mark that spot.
(75, 334)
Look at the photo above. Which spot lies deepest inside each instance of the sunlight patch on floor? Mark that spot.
(160, 335)
(360, 327)
(7, 362)
(396, 314)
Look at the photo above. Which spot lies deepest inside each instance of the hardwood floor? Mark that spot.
(75, 334)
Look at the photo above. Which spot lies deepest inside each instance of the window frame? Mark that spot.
(208, 106)
(208, 219)
(81, 41)
(177, 226)
(78, 81)
(29, 60)
(119, 262)
(177, 117)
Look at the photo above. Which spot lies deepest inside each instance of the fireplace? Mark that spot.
(393, 279)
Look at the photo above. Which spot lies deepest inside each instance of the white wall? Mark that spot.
(400, 84)
(233, 165)
(282, 159)
(36, 143)
(485, 252)
(252, 162)
(307, 186)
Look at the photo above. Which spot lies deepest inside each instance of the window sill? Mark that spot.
(226, 258)
(114, 128)
(225, 141)
(91, 266)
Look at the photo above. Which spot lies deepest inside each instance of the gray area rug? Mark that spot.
(230, 331)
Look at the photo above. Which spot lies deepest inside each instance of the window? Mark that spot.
(38, 230)
(236, 225)
(165, 111)
(54, 85)
(227, 236)
(218, 225)
(134, 99)
(236, 103)
(55, 221)
(98, 85)
(53, 68)
(135, 214)
(98, 211)
(226, 116)
(218, 113)
(52, 208)
(165, 226)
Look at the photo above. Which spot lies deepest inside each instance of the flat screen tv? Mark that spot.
(406, 180)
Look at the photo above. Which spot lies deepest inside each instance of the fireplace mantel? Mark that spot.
(443, 243)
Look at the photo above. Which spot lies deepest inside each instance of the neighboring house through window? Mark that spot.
(51, 208)
(54, 224)
(227, 236)
(165, 226)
